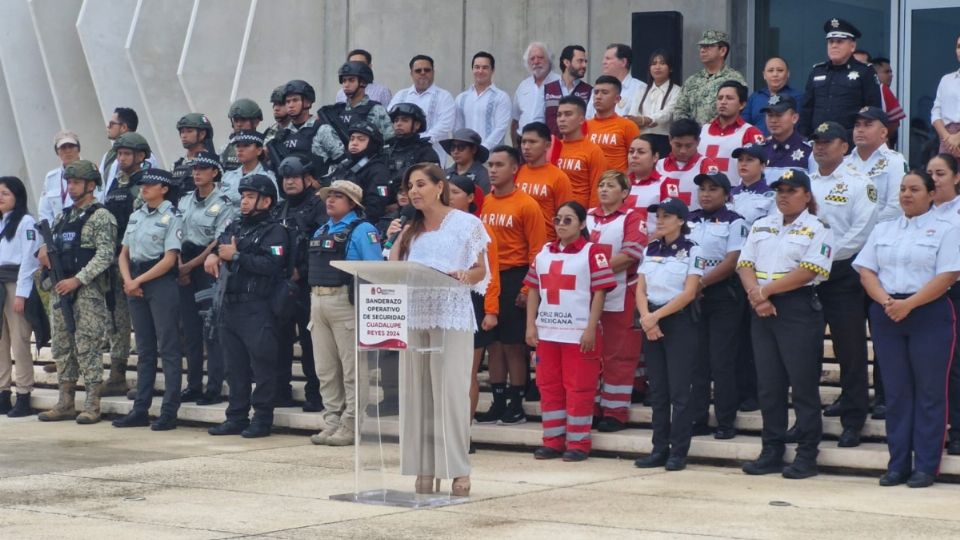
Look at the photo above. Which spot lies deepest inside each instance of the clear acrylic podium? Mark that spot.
(391, 448)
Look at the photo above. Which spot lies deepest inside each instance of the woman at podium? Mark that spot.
(436, 368)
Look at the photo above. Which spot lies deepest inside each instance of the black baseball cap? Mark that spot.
(829, 131)
(780, 103)
(672, 206)
(793, 177)
(758, 151)
(719, 179)
(872, 113)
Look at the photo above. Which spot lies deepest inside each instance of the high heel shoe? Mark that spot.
(425, 484)
(460, 487)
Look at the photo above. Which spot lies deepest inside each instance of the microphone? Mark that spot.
(406, 215)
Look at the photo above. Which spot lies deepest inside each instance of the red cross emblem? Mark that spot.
(723, 163)
(556, 281)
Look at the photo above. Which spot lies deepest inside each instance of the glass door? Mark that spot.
(929, 33)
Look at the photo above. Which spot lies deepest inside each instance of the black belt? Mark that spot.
(139, 268)
(189, 251)
(901, 296)
(807, 290)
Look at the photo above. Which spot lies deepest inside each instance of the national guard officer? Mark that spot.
(848, 203)
(785, 255)
(906, 267)
(305, 133)
(365, 167)
(148, 265)
(249, 147)
(244, 113)
(719, 233)
(205, 213)
(253, 250)
(121, 196)
(196, 135)
(301, 212)
(354, 78)
(841, 86)
(280, 118)
(85, 234)
(786, 147)
(407, 147)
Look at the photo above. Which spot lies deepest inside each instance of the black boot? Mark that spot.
(22, 408)
(5, 404)
(497, 408)
(514, 413)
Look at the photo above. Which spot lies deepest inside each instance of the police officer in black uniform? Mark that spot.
(407, 147)
(301, 212)
(366, 167)
(253, 249)
(841, 86)
(196, 135)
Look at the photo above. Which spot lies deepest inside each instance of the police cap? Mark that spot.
(839, 28)
(671, 206)
(719, 179)
(82, 169)
(780, 103)
(872, 113)
(793, 177)
(248, 136)
(829, 131)
(245, 108)
(154, 175)
(207, 160)
(758, 151)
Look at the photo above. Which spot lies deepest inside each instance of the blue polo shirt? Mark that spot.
(759, 99)
(364, 243)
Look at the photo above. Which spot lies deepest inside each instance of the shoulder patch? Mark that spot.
(601, 260)
(31, 234)
(872, 193)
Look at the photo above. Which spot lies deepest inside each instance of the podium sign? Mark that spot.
(382, 317)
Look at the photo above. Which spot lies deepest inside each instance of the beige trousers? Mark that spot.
(435, 404)
(334, 349)
(16, 337)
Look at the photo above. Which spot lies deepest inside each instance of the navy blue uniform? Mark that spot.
(835, 93)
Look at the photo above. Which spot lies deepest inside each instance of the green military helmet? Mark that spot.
(134, 141)
(277, 97)
(245, 108)
(196, 121)
(84, 170)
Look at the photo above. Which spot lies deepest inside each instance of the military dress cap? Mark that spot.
(413, 111)
(248, 136)
(719, 179)
(245, 108)
(792, 177)
(469, 136)
(780, 103)
(829, 131)
(133, 141)
(209, 160)
(259, 183)
(154, 175)
(712, 37)
(758, 151)
(349, 189)
(839, 28)
(65, 137)
(673, 206)
(872, 113)
(82, 169)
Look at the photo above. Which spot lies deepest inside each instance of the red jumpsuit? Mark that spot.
(621, 231)
(567, 378)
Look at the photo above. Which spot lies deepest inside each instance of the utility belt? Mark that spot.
(189, 251)
(139, 268)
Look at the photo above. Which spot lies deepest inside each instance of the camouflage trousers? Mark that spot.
(80, 353)
(119, 338)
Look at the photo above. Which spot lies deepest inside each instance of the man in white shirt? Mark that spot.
(616, 63)
(436, 102)
(375, 91)
(55, 198)
(872, 157)
(528, 99)
(483, 107)
(124, 119)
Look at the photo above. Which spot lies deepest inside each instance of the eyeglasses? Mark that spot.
(111, 123)
(565, 220)
(421, 71)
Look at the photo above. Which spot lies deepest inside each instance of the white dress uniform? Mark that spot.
(54, 198)
(886, 168)
(847, 202)
(754, 201)
(18, 262)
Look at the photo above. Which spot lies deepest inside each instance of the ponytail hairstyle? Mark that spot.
(581, 213)
(19, 191)
(418, 224)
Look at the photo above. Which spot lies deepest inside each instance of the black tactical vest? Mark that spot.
(183, 174)
(340, 118)
(326, 249)
(119, 202)
(66, 237)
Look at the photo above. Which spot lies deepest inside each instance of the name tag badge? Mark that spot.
(820, 78)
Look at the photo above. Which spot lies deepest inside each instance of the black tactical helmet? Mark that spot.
(276, 97)
(196, 121)
(303, 88)
(361, 71)
(134, 141)
(370, 130)
(245, 108)
(295, 165)
(413, 111)
(259, 183)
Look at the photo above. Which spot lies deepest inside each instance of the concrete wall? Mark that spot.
(66, 64)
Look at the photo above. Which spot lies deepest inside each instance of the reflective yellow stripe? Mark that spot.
(774, 275)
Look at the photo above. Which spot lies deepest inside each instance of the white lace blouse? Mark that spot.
(456, 245)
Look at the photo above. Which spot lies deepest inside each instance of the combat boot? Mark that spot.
(6, 405)
(91, 406)
(65, 409)
(22, 408)
(116, 384)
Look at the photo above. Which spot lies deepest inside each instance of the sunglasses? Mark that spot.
(565, 220)
(421, 71)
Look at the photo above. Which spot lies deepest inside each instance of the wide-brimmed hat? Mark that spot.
(352, 191)
(468, 136)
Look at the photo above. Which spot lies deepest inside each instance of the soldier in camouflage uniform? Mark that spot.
(698, 97)
(305, 133)
(87, 235)
(354, 78)
(244, 114)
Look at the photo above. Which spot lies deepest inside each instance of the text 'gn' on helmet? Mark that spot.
(413, 111)
(245, 108)
(259, 183)
(300, 87)
(361, 71)
(134, 141)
